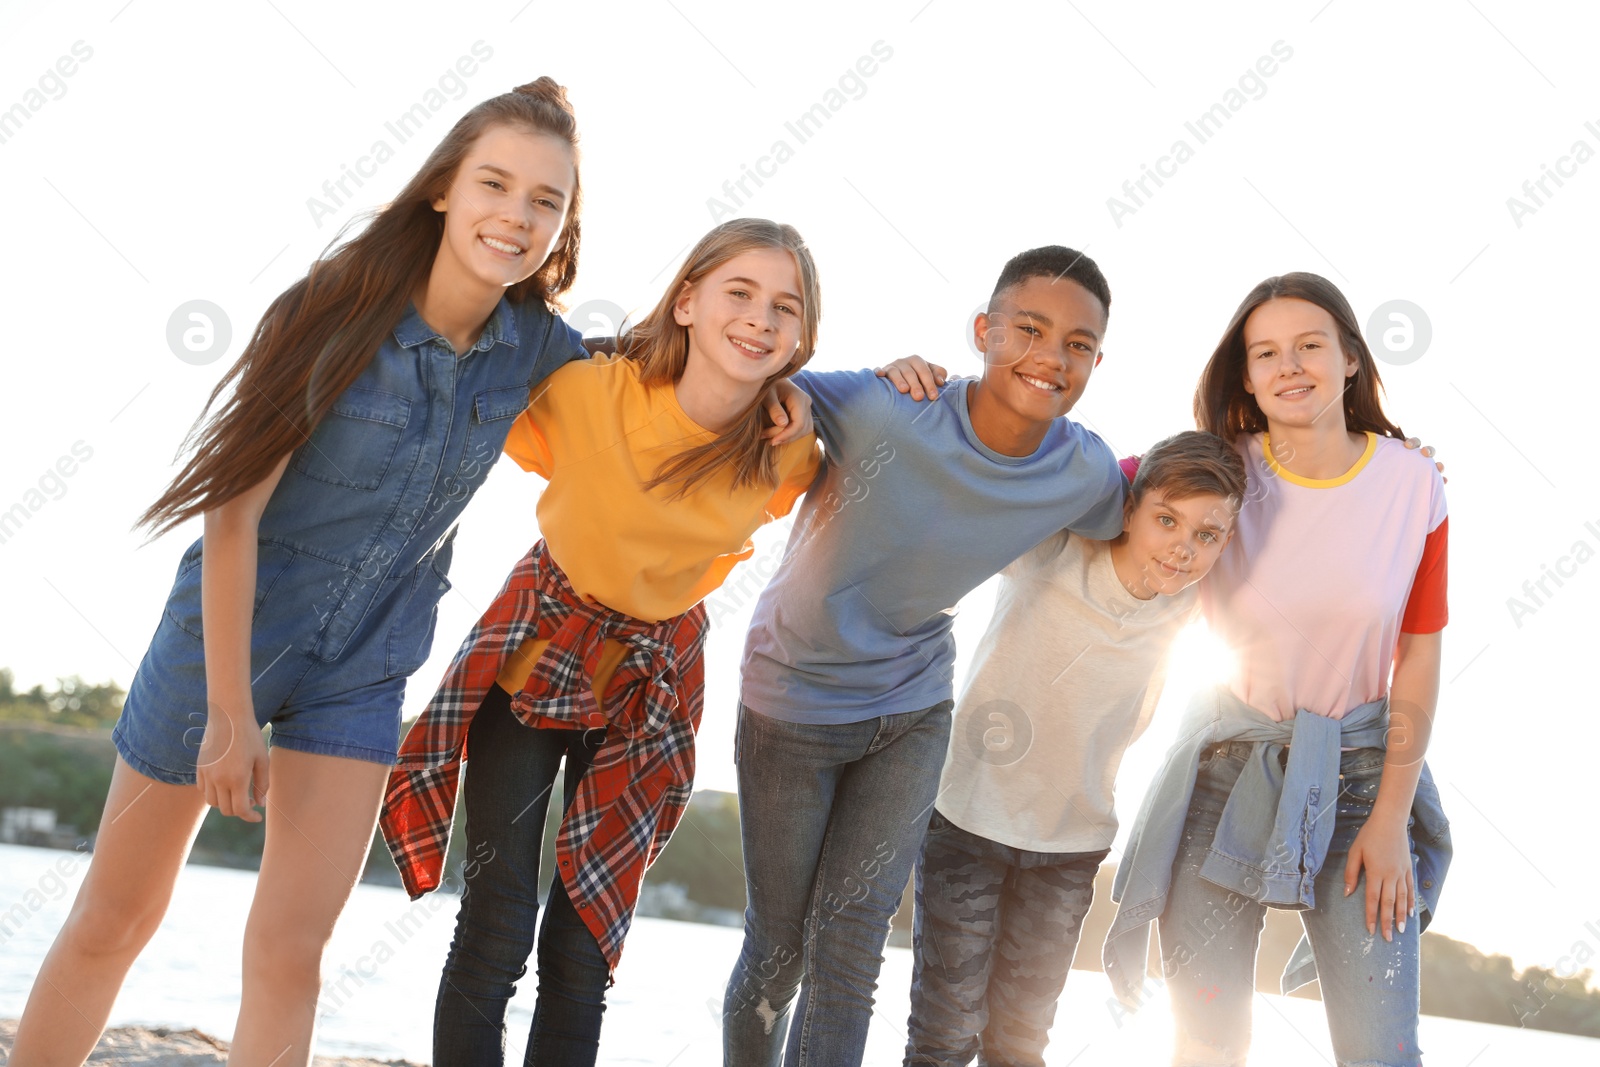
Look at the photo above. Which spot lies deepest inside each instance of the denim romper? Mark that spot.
(353, 549)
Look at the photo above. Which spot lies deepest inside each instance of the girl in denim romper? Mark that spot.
(1332, 594)
(370, 404)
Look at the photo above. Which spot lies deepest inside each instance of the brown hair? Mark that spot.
(661, 346)
(1188, 464)
(318, 336)
(1223, 407)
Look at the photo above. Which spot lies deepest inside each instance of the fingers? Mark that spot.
(1388, 902)
(782, 435)
(239, 801)
(261, 779)
(1352, 869)
(930, 377)
(776, 413)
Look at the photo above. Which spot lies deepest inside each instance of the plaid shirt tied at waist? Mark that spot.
(635, 791)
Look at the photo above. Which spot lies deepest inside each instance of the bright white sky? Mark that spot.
(175, 163)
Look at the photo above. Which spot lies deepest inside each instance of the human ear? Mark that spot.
(680, 306)
(980, 332)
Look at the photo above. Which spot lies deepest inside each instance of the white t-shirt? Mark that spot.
(1066, 677)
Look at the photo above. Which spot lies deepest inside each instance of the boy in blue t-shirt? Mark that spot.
(846, 699)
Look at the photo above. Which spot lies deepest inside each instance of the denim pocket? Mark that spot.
(411, 638)
(356, 440)
(493, 412)
(183, 604)
(1360, 774)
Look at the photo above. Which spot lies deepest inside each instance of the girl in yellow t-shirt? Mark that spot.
(658, 473)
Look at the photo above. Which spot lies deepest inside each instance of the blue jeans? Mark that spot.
(996, 929)
(832, 819)
(1370, 987)
(510, 771)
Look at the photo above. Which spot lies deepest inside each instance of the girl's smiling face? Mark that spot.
(505, 207)
(744, 317)
(1294, 365)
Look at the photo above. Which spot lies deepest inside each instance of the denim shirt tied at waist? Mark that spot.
(1272, 838)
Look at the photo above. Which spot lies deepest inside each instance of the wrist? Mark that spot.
(1391, 812)
(236, 707)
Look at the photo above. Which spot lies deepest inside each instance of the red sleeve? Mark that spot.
(1130, 466)
(1426, 612)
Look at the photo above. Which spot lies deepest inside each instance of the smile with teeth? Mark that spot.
(750, 348)
(1039, 383)
(502, 246)
(1295, 394)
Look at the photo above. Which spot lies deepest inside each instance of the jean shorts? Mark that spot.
(348, 708)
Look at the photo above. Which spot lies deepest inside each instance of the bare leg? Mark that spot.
(321, 812)
(145, 836)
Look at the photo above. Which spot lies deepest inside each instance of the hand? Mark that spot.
(915, 375)
(789, 408)
(1427, 450)
(232, 766)
(1383, 848)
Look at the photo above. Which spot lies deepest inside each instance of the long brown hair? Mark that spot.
(317, 337)
(1223, 407)
(661, 347)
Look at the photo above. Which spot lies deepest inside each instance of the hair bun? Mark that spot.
(547, 89)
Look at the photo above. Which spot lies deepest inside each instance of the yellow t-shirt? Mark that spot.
(598, 435)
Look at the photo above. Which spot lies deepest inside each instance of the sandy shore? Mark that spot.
(138, 1046)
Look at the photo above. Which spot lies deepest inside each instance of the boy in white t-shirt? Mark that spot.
(1066, 677)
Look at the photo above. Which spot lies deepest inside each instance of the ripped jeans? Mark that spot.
(1371, 988)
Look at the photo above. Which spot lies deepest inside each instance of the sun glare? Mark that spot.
(1199, 659)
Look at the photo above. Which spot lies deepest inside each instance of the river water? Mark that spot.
(382, 969)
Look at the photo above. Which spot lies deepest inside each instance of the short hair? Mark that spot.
(1190, 464)
(1054, 262)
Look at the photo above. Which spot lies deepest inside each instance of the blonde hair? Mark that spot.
(661, 347)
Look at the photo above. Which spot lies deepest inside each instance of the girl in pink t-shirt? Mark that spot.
(1332, 595)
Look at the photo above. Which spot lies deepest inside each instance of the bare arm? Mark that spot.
(233, 756)
(1382, 845)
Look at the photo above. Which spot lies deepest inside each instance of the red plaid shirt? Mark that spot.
(635, 791)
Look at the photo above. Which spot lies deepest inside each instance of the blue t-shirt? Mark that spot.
(910, 513)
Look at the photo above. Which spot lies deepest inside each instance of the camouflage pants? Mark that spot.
(994, 935)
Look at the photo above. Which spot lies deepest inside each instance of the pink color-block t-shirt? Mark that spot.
(1322, 577)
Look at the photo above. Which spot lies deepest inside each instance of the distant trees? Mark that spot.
(73, 702)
